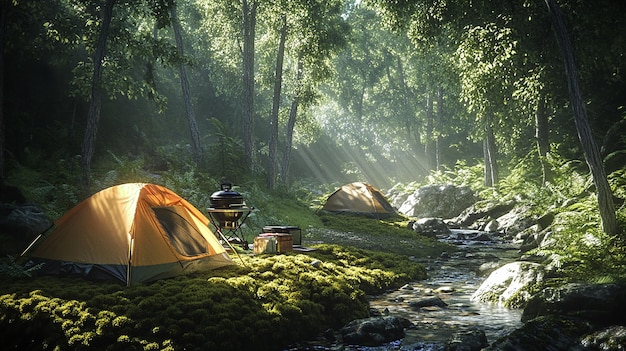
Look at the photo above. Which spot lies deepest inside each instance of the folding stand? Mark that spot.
(228, 222)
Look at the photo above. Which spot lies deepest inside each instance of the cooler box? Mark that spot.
(265, 244)
(284, 242)
(295, 232)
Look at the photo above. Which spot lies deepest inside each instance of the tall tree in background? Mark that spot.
(278, 83)
(93, 114)
(184, 82)
(4, 8)
(248, 31)
(291, 123)
(590, 148)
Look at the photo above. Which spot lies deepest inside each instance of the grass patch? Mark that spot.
(388, 235)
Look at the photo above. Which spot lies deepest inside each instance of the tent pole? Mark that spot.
(130, 260)
(36, 240)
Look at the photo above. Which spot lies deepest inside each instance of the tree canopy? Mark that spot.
(333, 91)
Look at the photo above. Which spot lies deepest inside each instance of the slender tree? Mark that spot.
(4, 8)
(278, 83)
(184, 82)
(590, 148)
(293, 113)
(93, 114)
(248, 30)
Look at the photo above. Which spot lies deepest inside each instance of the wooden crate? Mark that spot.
(284, 242)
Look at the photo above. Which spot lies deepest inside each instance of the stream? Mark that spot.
(453, 278)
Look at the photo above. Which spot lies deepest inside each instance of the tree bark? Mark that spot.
(184, 83)
(542, 135)
(589, 146)
(428, 144)
(247, 117)
(278, 83)
(438, 128)
(291, 123)
(4, 8)
(490, 155)
(95, 103)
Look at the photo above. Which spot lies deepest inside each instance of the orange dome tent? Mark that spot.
(361, 199)
(132, 232)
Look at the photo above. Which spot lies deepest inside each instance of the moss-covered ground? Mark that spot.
(263, 302)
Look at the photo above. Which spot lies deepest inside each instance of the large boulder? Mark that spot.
(20, 223)
(373, 331)
(431, 227)
(470, 340)
(599, 303)
(443, 201)
(574, 316)
(511, 284)
(544, 333)
(481, 212)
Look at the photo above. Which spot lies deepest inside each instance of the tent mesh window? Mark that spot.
(185, 238)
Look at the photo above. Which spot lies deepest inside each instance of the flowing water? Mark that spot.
(453, 278)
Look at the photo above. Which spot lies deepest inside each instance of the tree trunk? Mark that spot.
(93, 113)
(247, 117)
(488, 176)
(590, 148)
(542, 135)
(490, 155)
(184, 83)
(4, 8)
(278, 83)
(428, 143)
(291, 123)
(438, 128)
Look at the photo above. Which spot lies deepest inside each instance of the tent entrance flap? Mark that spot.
(184, 236)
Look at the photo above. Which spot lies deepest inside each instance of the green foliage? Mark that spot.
(461, 175)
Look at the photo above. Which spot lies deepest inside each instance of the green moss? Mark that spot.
(271, 299)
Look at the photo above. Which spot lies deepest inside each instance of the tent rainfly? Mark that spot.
(361, 199)
(132, 232)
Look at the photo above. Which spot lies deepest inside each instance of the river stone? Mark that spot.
(443, 201)
(544, 333)
(428, 302)
(431, 227)
(602, 304)
(612, 338)
(516, 220)
(508, 285)
(481, 210)
(374, 331)
(470, 340)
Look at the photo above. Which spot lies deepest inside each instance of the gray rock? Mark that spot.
(484, 209)
(471, 340)
(509, 285)
(444, 201)
(612, 338)
(373, 331)
(544, 334)
(602, 304)
(21, 223)
(431, 227)
(428, 302)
